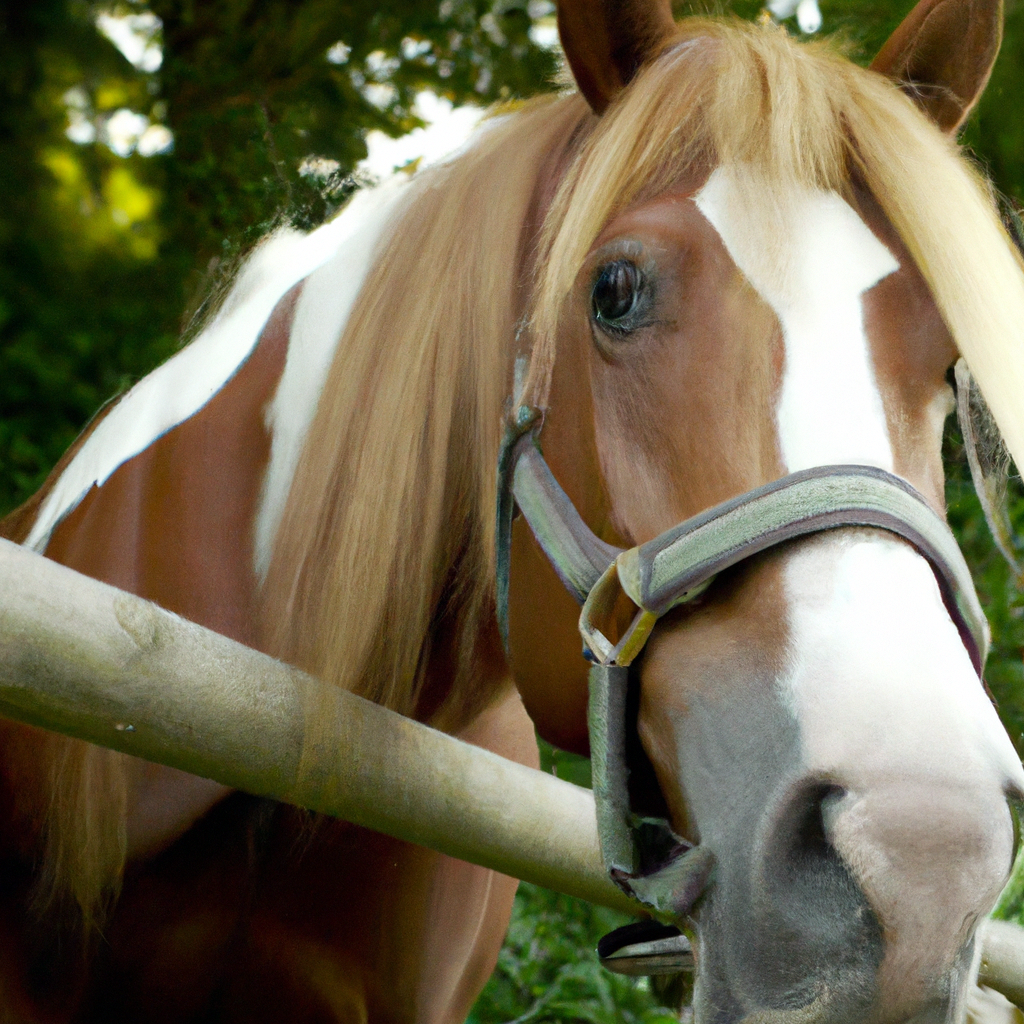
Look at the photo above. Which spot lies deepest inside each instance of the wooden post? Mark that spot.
(87, 660)
(1002, 959)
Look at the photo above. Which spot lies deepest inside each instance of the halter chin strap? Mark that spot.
(645, 858)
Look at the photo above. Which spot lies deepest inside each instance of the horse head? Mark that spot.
(748, 271)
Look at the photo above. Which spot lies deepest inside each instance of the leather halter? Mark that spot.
(662, 871)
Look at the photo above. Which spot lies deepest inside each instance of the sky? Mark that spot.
(447, 129)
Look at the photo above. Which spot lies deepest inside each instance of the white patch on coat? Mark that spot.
(320, 316)
(188, 380)
(878, 674)
(811, 258)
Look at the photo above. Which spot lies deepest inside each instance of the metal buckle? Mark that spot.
(598, 608)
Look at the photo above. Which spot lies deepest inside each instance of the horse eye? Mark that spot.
(617, 294)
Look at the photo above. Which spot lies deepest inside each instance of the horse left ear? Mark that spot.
(942, 55)
(607, 41)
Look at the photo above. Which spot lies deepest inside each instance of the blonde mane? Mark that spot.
(388, 533)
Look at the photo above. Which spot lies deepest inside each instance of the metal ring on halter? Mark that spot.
(601, 601)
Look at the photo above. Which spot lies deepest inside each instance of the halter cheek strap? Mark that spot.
(645, 858)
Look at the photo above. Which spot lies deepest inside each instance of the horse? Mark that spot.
(726, 259)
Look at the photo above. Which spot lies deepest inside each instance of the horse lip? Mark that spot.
(809, 1014)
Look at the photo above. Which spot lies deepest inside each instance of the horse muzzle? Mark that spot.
(848, 909)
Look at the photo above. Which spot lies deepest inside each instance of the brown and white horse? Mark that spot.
(731, 258)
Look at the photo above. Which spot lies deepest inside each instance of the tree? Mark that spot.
(107, 255)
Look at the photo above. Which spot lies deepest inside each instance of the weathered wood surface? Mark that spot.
(83, 658)
(1002, 959)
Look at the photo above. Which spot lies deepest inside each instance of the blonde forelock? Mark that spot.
(731, 91)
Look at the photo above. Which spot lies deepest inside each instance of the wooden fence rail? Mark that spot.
(85, 659)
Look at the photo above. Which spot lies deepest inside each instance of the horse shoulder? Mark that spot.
(174, 523)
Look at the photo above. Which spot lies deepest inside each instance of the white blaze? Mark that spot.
(878, 675)
(887, 702)
(811, 258)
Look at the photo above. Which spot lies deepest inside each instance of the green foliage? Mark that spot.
(998, 590)
(1002, 597)
(995, 134)
(251, 93)
(1011, 903)
(548, 969)
(80, 312)
(570, 767)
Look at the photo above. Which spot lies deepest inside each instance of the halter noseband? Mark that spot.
(662, 871)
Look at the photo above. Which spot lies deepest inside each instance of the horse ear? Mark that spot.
(942, 55)
(606, 42)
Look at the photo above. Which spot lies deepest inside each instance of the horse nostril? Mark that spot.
(808, 879)
(803, 828)
(801, 906)
(929, 855)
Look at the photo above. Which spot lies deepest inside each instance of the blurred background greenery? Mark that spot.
(145, 146)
